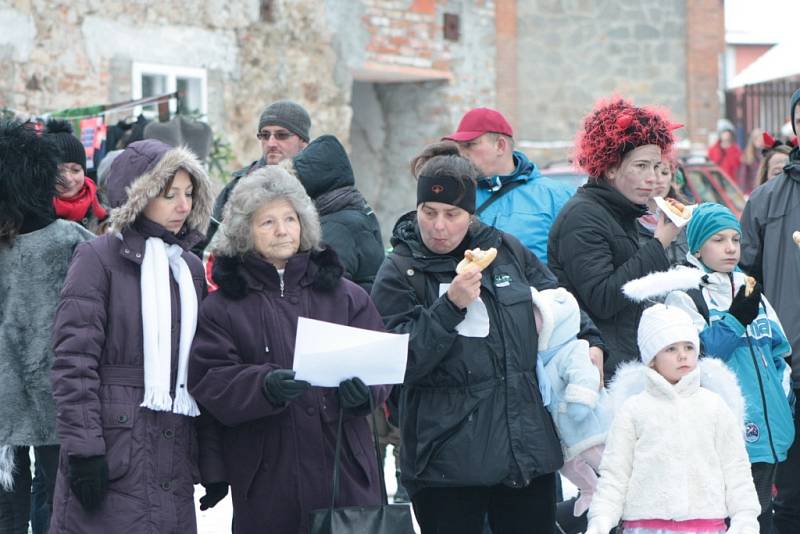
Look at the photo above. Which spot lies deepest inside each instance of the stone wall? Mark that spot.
(572, 52)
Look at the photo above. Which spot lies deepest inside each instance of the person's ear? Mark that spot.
(612, 173)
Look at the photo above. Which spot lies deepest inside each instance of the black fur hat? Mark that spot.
(28, 170)
(70, 147)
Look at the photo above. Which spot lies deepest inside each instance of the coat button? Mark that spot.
(138, 255)
(122, 418)
(168, 433)
(410, 272)
(127, 251)
(310, 410)
(166, 485)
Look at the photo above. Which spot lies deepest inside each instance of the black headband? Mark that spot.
(448, 190)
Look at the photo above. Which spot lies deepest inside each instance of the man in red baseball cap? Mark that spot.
(513, 195)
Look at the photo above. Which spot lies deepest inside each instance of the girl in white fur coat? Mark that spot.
(675, 459)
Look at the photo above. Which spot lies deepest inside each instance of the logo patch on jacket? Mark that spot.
(751, 432)
(502, 280)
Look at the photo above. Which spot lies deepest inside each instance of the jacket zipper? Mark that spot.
(763, 397)
(760, 384)
(281, 287)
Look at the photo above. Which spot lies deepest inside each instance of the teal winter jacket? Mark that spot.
(756, 355)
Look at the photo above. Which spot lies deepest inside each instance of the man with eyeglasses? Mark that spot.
(283, 132)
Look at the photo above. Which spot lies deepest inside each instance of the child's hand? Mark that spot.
(745, 308)
(577, 411)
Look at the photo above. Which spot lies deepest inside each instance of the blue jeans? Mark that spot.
(31, 500)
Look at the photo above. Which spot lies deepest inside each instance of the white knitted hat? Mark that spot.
(662, 326)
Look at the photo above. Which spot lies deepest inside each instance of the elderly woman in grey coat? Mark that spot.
(280, 433)
(123, 329)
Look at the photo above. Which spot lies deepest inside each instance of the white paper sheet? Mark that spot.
(476, 323)
(327, 353)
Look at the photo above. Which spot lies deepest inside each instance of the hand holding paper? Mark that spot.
(326, 354)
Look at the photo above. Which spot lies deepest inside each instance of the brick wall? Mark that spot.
(705, 45)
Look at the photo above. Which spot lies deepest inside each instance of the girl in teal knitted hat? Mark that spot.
(740, 327)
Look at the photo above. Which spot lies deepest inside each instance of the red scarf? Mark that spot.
(77, 207)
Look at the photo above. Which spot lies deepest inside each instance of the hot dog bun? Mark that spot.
(678, 208)
(749, 285)
(476, 259)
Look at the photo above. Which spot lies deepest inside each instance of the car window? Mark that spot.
(733, 193)
(702, 185)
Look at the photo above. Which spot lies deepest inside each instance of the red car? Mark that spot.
(703, 181)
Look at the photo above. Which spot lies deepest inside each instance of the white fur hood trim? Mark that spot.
(631, 379)
(662, 283)
(148, 185)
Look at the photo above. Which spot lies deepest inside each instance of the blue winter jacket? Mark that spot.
(528, 211)
(756, 355)
(570, 375)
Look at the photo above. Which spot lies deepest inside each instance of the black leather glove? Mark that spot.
(280, 386)
(745, 309)
(353, 394)
(88, 479)
(215, 492)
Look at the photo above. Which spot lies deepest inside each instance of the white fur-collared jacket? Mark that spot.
(676, 452)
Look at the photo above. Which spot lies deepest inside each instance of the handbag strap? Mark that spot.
(338, 450)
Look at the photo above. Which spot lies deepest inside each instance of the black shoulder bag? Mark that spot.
(382, 519)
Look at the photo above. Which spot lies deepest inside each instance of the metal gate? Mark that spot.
(763, 105)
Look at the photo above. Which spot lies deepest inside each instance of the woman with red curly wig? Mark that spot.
(594, 246)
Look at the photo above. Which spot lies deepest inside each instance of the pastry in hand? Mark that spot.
(476, 259)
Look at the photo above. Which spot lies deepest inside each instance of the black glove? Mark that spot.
(280, 386)
(745, 309)
(88, 479)
(353, 394)
(215, 492)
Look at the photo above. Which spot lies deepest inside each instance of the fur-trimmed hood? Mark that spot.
(633, 377)
(234, 276)
(140, 173)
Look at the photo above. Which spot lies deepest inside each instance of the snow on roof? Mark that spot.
(780, 61)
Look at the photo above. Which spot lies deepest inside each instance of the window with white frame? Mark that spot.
(150, 79)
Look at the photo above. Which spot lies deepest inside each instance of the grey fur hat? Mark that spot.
(269, 183)
(141, 172)
(288, 114)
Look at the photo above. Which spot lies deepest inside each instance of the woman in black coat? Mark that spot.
(594, 246)
(476, 437)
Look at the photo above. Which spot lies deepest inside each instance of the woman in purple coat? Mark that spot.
(123, 329)
(280, 433)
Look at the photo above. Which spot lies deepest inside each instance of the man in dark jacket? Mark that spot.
(349, 225)
(770, 217)
(283, 130)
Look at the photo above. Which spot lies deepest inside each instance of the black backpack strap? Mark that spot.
(699, 302)
(492, 199)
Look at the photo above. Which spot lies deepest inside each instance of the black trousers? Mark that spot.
(32, 498)
(528, 510)
(786, 504)
(763, 478)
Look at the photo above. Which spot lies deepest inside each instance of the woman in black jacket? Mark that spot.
(594, 246)
(476, 437)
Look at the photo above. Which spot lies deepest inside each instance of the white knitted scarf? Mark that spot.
(159, 259)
